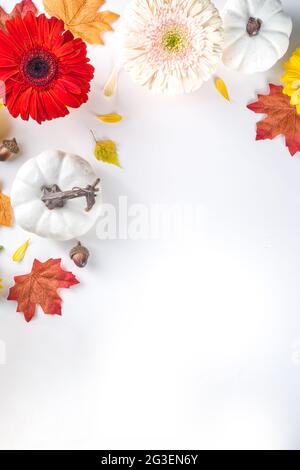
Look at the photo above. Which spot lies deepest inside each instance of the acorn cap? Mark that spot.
(11, 145)
(8, 149)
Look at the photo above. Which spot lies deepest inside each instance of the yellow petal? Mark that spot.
(296, 84)
(222, 88)
(111, 84)
(290, 76)
(20, 253)
(295, 98)
(110, 118)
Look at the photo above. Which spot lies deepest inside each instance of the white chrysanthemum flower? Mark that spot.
(171, 46)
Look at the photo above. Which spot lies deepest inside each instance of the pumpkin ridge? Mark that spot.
(61, 171)
(276, 12)
(38, 160)
(236, 13)
(40, 174)
(230, 44)
(84, 215)
(26, 183)
(237, 16)
(265, 38)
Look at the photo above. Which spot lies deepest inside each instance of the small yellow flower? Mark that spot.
(291, 79)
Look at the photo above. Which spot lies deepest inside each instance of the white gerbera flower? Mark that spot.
(171, 46)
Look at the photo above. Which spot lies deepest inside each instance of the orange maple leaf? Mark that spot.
(82, 18)
(21, 9)
(40, 288)
(6, 217)
(282, 118)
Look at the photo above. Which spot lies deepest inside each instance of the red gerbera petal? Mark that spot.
(44, 69)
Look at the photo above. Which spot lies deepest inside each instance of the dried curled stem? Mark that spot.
(54, 198)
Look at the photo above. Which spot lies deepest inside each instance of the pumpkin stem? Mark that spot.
(253, 26)
(54, 198)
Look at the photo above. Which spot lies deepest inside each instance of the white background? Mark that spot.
(189, 344)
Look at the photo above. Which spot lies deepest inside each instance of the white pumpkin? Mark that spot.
(67, 171)
(257, 34)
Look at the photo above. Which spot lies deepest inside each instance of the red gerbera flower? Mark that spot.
(43, 67)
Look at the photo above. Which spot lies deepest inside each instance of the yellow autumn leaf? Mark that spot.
(20, 252)
(222, 88)
(110, 118)
(106, 151)
(82, 18)
(6, 216)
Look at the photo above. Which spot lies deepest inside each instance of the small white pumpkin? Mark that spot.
(257, 34)
(67, 171)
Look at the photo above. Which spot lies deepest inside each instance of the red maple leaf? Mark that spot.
(21, 9)
(40, 288)
(282, 118)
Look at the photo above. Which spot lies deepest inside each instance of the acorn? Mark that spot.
(8, 149)
(80, 255)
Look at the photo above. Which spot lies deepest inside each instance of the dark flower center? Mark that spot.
(39, 67)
